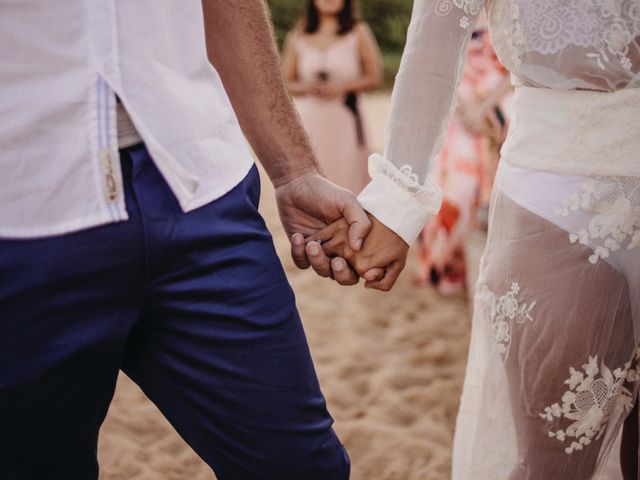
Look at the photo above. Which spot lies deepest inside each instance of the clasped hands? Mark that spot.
(330, 232)
(379, 259)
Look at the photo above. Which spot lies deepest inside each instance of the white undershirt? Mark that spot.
(128, 136)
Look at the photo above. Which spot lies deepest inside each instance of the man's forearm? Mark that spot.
(241, 47)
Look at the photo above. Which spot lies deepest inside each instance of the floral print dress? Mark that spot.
(465, 169)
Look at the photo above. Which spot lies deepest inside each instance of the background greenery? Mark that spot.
(388, 19)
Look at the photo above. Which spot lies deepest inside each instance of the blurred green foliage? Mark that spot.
(388, 20)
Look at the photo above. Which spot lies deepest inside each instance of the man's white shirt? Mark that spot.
(62, 64)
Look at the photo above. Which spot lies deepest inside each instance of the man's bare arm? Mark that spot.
(241, 46)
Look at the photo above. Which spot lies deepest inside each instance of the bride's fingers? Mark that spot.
(321, 236)
(333, 249)
(329, 231)
(387, 282)
(373, 274)
(338, 247)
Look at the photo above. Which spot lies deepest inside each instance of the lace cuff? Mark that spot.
(397, 198)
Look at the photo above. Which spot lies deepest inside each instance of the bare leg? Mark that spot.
(554, 311)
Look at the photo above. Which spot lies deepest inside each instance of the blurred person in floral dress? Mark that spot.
(466, 165)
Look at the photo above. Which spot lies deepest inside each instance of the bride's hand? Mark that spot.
(381, 258)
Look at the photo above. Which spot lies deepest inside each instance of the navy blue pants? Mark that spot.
(194, 307)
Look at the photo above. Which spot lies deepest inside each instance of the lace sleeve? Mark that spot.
(422, 103)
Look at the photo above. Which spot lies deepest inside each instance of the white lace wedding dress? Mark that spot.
(554, 363)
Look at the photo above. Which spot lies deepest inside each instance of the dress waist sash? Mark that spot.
(575, 132)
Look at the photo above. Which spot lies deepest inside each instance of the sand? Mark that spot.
(391, 366)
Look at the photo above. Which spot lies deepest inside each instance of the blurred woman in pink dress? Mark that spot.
(466, 165)
(329, 59)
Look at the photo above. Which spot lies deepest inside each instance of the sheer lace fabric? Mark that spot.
(572, 44)
(551, 44)
(554, 365)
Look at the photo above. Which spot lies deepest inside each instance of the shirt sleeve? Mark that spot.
(401, 194)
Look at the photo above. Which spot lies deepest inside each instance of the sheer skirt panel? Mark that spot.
(553, 367)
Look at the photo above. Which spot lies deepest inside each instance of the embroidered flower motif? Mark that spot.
(501, 313)
(592, 395)
(610, 8)
(507, 33)
(616, 205)
(604, 28)
(553, 28)
(427, 193)
(468, 7)
(626, 63)
(471, 7)
(405, 177)
(618, 38)
(633, 12)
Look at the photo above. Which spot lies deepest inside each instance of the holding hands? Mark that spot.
(379, 261)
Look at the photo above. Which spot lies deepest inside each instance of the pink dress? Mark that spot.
(464, 168)
(336, 132)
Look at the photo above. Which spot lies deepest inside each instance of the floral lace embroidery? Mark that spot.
(616, 203)
(508, 32)
(428, 193)
(620, 33)
(469, 7)
(502, 312)
(606, 28)
(592, 394)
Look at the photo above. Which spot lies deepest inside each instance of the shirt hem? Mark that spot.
(65, 228)
(216, 193)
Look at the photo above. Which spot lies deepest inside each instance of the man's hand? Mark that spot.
(252, 77)
(307, 204)
(380, 261)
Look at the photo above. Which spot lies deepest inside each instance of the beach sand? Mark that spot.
(391, 366)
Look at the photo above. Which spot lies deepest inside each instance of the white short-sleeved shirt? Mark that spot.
(62, 64)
